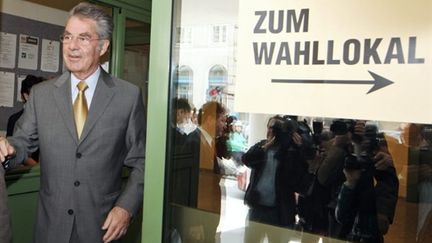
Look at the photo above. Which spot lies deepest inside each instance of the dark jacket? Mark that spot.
(291, 167)
(360, 210)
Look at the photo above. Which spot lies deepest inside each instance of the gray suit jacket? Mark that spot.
(5, 230)
(81, 179)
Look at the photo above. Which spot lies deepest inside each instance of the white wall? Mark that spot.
(33, 11)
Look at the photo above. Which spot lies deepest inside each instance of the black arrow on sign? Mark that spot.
(378, 81)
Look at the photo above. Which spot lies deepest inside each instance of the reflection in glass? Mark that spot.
(324, 179)
(184, 82)
(136, 54)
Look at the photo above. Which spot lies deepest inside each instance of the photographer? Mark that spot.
(369, 209)
(330, 173)
(370, 219)
(277, 165)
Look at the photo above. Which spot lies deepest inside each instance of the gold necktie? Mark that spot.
(80, 108)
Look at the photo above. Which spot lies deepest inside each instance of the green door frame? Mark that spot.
(118, 43)
(139, 10)
(158, 96)
(157, 120)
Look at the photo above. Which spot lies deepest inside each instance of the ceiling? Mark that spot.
(57, 4)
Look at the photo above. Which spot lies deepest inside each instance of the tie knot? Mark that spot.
(82, 86)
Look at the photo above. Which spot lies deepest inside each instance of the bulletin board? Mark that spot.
(37, 52)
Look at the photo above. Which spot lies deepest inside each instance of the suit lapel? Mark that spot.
(63, 99)
(101, 99)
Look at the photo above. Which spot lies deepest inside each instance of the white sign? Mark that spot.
(7, 50)
(7, 89)
(50, 57)
(28, 52)
(351, 59)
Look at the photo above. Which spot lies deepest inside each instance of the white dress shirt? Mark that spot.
(91, 82)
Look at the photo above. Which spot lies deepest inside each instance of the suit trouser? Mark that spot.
(5, 230)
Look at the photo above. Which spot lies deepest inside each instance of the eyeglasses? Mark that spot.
(81, 39)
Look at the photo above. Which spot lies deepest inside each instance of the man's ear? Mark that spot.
(104, 47)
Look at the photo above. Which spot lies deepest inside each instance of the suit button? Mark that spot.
(70, 211)
(76, 183)
(78, 155)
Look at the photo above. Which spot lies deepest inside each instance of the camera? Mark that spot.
(362, 162)
(342, 126)
(283, 130)
(371, 142)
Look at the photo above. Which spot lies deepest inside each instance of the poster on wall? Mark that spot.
(50, 56)
(7, 50)
(7, 89)
(352, 59)
(28, 52)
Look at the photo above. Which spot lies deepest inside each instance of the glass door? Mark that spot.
(289, 174)
(136, 54)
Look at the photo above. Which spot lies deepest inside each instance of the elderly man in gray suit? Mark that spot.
(88, 126)
(5, 230)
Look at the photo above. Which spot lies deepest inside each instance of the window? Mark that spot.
(184, 35)
(184, 82)
(219, 34)
(218, 75)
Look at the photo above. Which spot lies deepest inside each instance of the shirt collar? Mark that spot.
(91, 81)
(207, 136)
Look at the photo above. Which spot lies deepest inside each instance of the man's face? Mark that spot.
(183, 116)
(80, 58)
(270, 125)
(220, 124)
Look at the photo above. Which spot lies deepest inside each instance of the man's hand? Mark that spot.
(268, 143)
(383, 161)
(297, 139)
(342, 140)
(359, 131)
(352, 177)
(5, 149)
(116, 224)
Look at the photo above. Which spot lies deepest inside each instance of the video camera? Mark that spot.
(343, 126)
(283, 129)
(370, 142)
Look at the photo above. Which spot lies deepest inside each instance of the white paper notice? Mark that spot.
(6, 88)
(50, 55)
(28, 52)
(7, 50)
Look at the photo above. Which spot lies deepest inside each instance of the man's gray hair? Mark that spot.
(104, 24)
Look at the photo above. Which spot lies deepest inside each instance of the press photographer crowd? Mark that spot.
(334, 179)
(339, 182)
